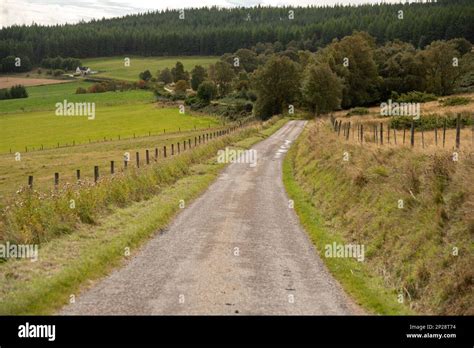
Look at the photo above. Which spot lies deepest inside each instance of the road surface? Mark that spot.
(238, 249)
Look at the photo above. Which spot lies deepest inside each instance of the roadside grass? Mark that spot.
(72, 261)
(114, 67)
(409, 250)
(366, 289)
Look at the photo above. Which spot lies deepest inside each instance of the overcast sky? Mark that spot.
(71, 11)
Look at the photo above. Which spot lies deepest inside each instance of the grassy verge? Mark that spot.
(422, 250)
(72, 261)
(367, 290)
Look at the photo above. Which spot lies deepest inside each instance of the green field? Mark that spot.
(114, 67)
(41, 98)
(34, 129)
(31, 123)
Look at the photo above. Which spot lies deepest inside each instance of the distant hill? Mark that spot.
(214, 31)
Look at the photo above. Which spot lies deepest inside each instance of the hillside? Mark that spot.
(215, 31)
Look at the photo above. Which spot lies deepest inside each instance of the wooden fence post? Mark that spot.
(189, 143)
(422, 136)
(156, 154)
(179, 147)
(348, 130)
(172, 149)
(164, 151)
(395, 136)
(78, 174)
(381, 133)
(137, 155)
(147, 156)
(444, 132)
(56, 179)
(404, 130)
(388, 133)
(412, 134)
(361, 134)
(96, 173)
(436, 136)
(30, 181)
(112, 167)
(458, 131)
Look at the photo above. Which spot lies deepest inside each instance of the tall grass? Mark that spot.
(35, 217)
(423, 250)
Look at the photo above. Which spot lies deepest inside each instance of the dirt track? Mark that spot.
(195, 268)
(7, 82)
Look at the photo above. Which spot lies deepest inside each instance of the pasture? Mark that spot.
(114, 67)
(124, 121)
(44, 98)
(65, 161)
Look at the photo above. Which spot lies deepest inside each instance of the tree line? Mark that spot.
(215, 31)
(353, 71)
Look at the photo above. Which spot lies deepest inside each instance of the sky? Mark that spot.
(50, 12)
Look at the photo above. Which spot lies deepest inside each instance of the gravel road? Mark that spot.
(238, 249)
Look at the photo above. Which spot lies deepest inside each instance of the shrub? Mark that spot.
(358, 111)
(455, 101)
(252, 96)
(145, 75)
(18, 91)
(97, 88)
(141, 84)
(4, 94)
(58, 72)
(206, 91)
(413, 97)
(180, 87)
(81, 90)
(430, 122)
(15, 92)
